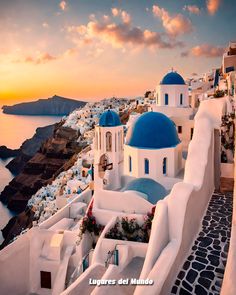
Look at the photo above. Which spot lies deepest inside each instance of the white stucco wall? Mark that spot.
(65, 211)
(110, 203)
(171, 111)
(174, 92)
(186, 125)
(14, 266)
(155, 157)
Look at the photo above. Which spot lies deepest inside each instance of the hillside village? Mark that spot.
(149, 197)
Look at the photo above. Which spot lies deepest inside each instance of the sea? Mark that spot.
(14, 130)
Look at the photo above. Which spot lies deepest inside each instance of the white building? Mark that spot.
(229, 58)
(108, 146)
(152, 151)
(172, 99)
(152, 148)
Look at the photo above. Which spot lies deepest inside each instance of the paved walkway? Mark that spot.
(203, 271)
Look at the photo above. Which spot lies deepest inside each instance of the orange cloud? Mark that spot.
(115, 11)
(38, 58)
(174, 25)
(213, 6)
(205, 50)
(193, 9)
(63, 5)
(125, 16)
(119, 35)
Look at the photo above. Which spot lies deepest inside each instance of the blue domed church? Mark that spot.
(172, 91)
(140, 170)
(152, 148)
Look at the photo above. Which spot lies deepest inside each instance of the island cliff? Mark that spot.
(27, 150)
(56, 106)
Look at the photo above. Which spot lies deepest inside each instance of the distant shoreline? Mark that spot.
(53, 106)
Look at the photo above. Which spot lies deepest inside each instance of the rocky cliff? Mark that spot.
(56, 154)
(5, 152)
(56, 106)
(29, 148)
(41, 168)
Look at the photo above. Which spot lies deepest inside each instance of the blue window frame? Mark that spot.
(130, 164)
(164, 165)
(166, 99)
(146, 166)
(181, 98)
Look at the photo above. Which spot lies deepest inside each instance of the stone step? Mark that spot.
(203, 271)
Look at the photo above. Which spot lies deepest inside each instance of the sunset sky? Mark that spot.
(95, 49)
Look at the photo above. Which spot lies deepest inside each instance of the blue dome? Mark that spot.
(172, 78)
(152, 130)
(109, 119)
(154, 190)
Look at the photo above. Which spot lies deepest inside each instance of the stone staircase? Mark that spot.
(203, 271)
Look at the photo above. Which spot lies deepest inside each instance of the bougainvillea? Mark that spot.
(89, 224)
(129, 229)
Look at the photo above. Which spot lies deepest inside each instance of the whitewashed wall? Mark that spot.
(170, 111)
(174, 92)
(14, 266)
(155, 157)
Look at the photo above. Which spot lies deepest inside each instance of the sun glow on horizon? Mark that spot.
(74, 52)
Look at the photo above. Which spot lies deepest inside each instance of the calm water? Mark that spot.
(13, 131)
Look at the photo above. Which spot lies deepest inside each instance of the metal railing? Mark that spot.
(113, 254)
(84, 264)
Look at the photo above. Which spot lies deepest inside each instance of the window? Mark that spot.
(179, 129)
(166, 99)
(164, 165)
(108, 141)
(45, 277)
(146, 166)
(181, 99)
(191, 135)
(130, 164)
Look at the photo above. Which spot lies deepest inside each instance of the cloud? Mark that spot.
(174, 25)
(115, 11)
(213, 6)
(120, 35)
(204, 50)
(40, 58)
(45, 25)
(125, 16)
(63, 5)
(193, 9)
